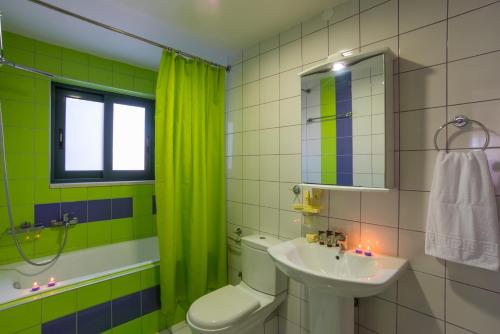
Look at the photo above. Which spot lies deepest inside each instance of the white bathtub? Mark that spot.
(76, 267)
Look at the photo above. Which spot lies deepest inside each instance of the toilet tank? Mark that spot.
(258, 269)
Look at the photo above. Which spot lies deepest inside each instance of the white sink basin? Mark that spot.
(334, 279)
(347, 274)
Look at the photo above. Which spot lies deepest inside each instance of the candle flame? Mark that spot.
(51, 279)
(368, 248)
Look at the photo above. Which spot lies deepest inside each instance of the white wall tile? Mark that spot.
(251, 143)
(251, 52)
(412, 247)
(478, 277)
(234, 144)
(269, 194)
(291, 34)
(379, 23)
(269, 115)
(251, 216)
(251, 167)
(474, 33)
(345, 205)
(269, 167)
(378, 314)
(472, 308)
(313, 24)
(250, 118)
(381, 239)
(290, 168)
(270, 63)
(474, 79)
(422, 292)
(234, 121)
(251, 70)
(269, 141)
(234, 99)
(234, 213)
(452, 329)
(289, 83)
(423, 47)
(251, 192)
(234, 190)
(269, 220)
(269, 89)
(234, 76)
(289, 111)
(411, 322)
(413, 210)
(423, 88)
(235, 58)
(416, 14)
(251, 94)
(234, 167)
(460, 6)
(290, 139)
(418, 128)
(270, 43)
(344, 35)
(290, 55)
(290, 224)
(315, 46)
(416, 169)
(366, 4)
(380, 208)
(345, 10)
(287, 197)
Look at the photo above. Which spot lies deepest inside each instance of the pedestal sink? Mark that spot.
(334, 279)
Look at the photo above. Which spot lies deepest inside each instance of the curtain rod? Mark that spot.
(125, 33)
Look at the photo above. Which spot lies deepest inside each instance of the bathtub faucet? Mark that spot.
(66, 220)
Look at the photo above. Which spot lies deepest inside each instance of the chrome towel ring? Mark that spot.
(460, 121)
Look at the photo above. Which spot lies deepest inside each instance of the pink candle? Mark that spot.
(51, 282)
(359, 250)
(35, 286)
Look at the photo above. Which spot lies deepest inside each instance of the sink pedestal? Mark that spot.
(330, 314)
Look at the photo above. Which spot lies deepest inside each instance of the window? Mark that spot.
(99, 136)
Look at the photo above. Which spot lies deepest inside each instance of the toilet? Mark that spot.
(243, 308)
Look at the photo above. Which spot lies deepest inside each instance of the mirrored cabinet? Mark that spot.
(347, 123)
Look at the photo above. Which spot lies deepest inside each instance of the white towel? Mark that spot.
(462, 222)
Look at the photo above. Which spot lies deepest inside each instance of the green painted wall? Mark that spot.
(328, 131)
(25, 101)
(28, 317)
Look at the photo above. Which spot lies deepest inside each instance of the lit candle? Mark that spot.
(359, 250)
(35, 286)
(51, 282)
(368, 252)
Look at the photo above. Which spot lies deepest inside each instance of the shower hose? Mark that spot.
(9, 210)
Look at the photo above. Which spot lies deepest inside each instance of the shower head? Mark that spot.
(9, 63)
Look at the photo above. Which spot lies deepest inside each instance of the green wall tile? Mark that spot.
(17, 113)
(48, 64)
(41, 162)
(99, 192)
(77, 237)
(123, 68)
(20, 317)
(144, 86)
(18, 140)
(153, 322)
(21, 191)
(75, 70)
(93, 294)
(19, 56)
(19, 165)
(123, 81)
(41, 116)
(150, 277)
(73, 194)
(143, 205)
(101, 63)
(143, 226)
(99, 233)
(42, 92)
(16, 86)
(131, 327)
(122, 229)
(144, 73)
(33, 330)
(18, 41)
(100, 76)
(41, 141)
(59, 305)
(125, 285)
(44, 194)
(48, 49)
(49, 241)
(75, 56)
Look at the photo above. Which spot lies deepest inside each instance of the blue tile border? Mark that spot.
(85, 211)
(102, 317)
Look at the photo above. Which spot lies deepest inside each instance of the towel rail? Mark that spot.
(460, 121)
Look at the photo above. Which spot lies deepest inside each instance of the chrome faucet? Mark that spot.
(341, 241)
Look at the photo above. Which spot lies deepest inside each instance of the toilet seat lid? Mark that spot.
(221, 308)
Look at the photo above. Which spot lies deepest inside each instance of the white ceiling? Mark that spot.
(212, 29)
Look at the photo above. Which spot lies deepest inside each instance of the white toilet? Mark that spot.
(242, 308)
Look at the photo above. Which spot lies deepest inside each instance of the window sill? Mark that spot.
(98, 184)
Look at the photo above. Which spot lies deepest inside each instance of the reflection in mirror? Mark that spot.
(344, 123)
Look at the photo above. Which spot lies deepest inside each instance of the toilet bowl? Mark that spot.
(243, 308)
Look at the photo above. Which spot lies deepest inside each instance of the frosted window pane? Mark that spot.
(128, 137)
(84, 135)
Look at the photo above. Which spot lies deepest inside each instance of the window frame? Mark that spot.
(58, 174)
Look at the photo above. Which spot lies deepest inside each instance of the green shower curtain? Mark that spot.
(190, 181)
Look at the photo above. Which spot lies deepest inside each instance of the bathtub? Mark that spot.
(76, 269)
